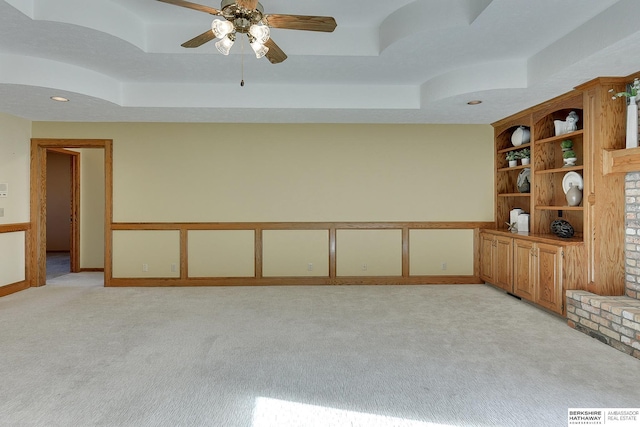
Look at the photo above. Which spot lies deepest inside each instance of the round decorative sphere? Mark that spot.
(562, 228)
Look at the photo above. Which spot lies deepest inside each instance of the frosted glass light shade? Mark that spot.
(260, 32)
(224, 45)
(221, 27)
(260, 49)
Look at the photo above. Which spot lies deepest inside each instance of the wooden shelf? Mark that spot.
(513, 168)
(519, 147)
(560, 208)
(514, 195)
(562, 169)
(570, 135)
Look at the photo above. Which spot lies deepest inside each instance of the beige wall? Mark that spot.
(15, 134)
(281, 173)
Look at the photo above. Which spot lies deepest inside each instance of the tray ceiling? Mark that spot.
(387, 62)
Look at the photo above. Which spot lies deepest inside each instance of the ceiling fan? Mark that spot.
(248, 17)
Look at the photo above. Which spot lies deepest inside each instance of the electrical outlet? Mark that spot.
(174, 268)
(444, 266)
(310, 266)
(145, 267)
(1, 212)
(364, 267)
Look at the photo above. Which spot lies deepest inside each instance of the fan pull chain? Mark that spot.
(242, 61)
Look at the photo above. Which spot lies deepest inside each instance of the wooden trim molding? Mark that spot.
(13, 288)
(12, 228)
(296, 281)
(426, 225)
(621, 161)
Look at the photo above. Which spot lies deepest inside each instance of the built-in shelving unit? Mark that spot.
(546, 201)
(542, 266)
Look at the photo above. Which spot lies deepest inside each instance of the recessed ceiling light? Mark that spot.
(474, 102)
(60, 98)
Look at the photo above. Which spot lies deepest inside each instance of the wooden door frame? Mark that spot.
(38, 250)
(74, 238)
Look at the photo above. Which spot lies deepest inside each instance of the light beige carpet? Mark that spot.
(76, 354)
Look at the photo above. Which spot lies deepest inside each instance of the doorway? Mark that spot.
(38, 242)
(63, 210)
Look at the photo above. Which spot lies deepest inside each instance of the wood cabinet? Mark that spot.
(538, 274)
(527, 268)
(544, 265)
(548, 276)
(496, 259)
(523, 269)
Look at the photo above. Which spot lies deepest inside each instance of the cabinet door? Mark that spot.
(523, 269)
(504, 263)
(486, 257)
(549, 277)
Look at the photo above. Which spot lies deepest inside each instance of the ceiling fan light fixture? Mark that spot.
(224, 45)
(260, 49)
(260, 32)
(221, 27)
(247, 17)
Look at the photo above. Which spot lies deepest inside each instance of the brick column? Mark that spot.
(632, 232)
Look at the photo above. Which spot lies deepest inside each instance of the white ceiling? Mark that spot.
(392, 61)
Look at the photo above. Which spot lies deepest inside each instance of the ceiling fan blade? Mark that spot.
(247, 4)
(194, 6)
(301, 22)
(275, 54)
(199, 40)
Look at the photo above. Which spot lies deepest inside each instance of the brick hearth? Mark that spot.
(615, 320)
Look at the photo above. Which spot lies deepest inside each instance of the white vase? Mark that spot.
(513, 163)
(632, 123)
(525, 161)
(574, 195)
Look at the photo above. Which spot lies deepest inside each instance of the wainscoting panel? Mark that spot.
(221, 253)
(146, 253)
(15, 274)
(441, 252)
(369, 252)
(293, 253)
(12, 267)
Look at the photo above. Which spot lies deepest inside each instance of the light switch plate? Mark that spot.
(4, 190)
